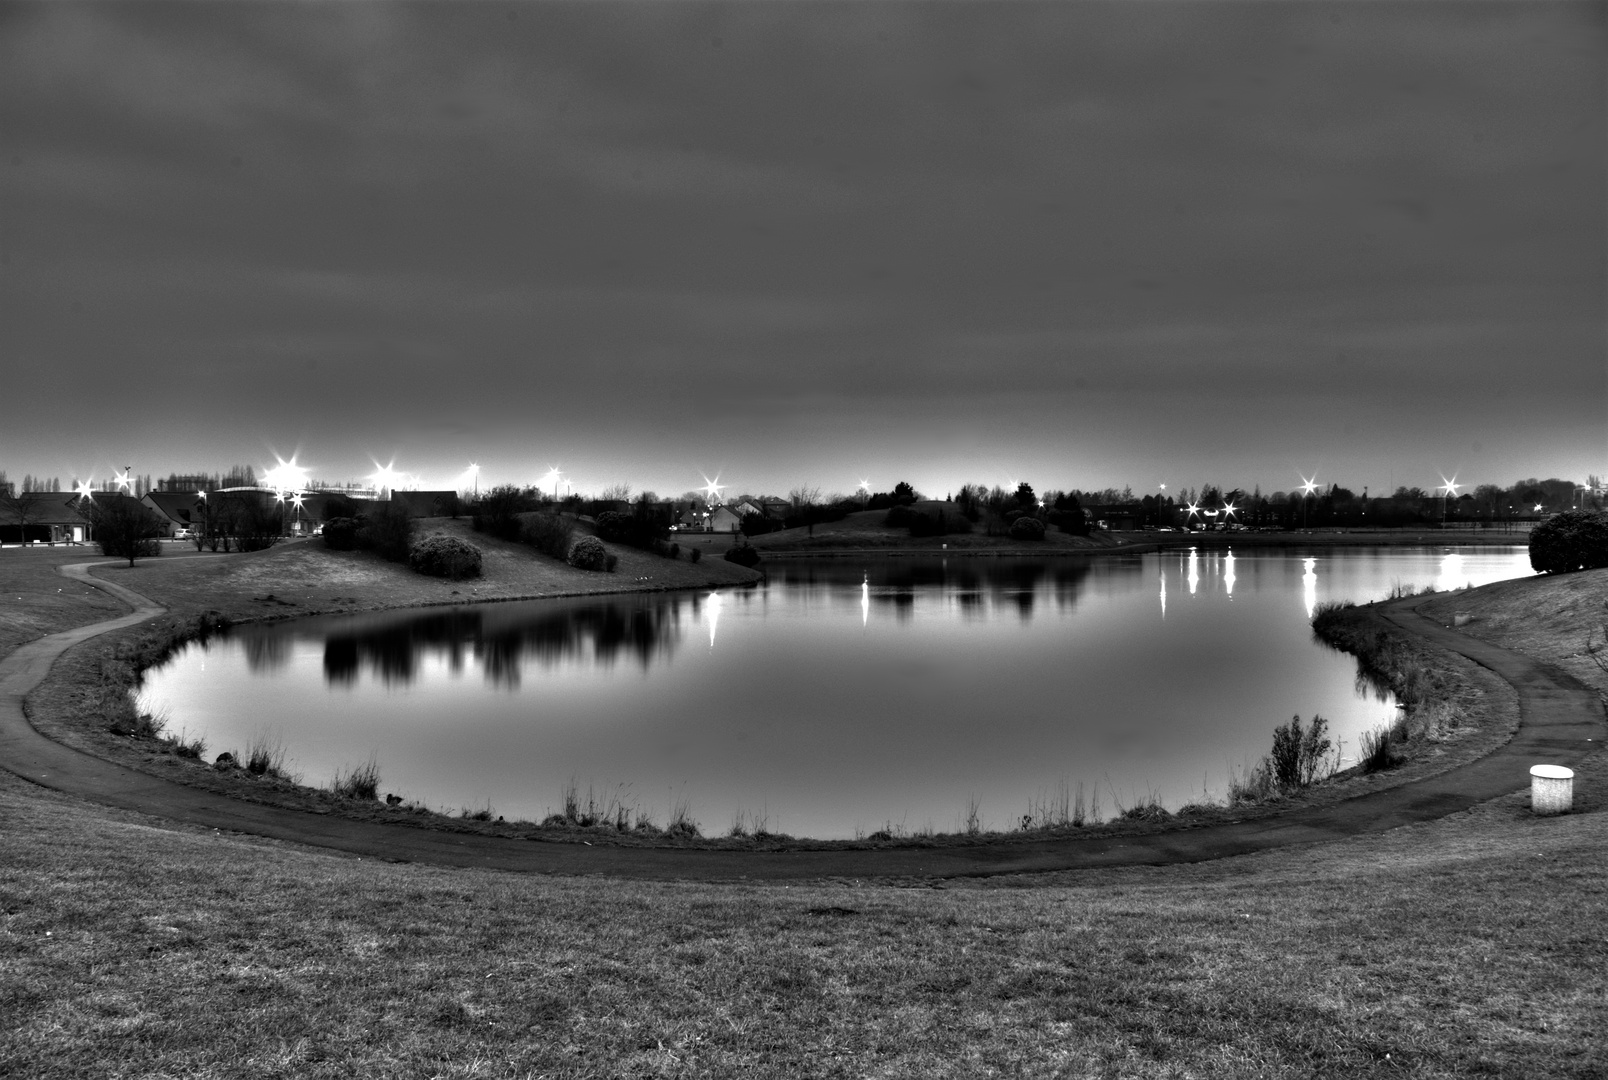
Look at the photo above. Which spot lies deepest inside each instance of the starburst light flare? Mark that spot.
(1450, 486)
(712, 489)
(84, 489)
(285, 476)
(1308, 486)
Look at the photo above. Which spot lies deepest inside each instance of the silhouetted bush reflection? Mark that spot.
(969, 582)
(502, 640)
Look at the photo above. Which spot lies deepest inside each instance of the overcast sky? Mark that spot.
(1081, 244)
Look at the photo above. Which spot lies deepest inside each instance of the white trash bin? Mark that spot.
(1551, 789)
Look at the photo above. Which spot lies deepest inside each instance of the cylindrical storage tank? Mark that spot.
(1551, 789)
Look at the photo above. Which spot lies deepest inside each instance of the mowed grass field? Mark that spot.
(1471, 946)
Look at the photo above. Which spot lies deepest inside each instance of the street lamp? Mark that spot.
(474, 473)
(712, 489)
(553, 474)
(1307, 488)
(1447, 488)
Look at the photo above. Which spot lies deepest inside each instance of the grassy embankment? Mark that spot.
(1468, 946)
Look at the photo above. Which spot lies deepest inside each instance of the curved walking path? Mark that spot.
(1558, 716)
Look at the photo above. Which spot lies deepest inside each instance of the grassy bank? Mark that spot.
(1468, 947)
(1465, 947)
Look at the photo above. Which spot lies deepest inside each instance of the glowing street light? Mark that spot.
(1448, 488)
(85, 489)
(285, 476)
(386, 478)
(125, 479)
(553, 474)
(712, 490)
(1307, 488)
(474, 473)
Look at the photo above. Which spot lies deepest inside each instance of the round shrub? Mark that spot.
(1572, 540)
(445, 557)
(341, 533)
(1027, 528)
(694, 554)
(588, 553)
(743, 555)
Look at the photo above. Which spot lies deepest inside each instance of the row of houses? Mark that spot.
(60, 517)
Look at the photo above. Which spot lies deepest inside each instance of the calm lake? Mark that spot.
(841, 697)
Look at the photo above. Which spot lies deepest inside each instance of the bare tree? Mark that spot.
(124, 527)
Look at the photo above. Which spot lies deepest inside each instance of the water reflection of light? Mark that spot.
(1164, 593)
(1228, 574)
(1194, 570)
(865, 601)
(1309, 585)
(1452, 574)
(714, 616)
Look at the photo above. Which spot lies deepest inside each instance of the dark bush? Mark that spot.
(1572, 540)
(548, 534)
(675, 551)
(446, 557)
(1074, 522)
(497, 511)
(340, 533)
(694, 554)
(642, 529)
(388, 532)
(613, 526)
(743, 555)
(758, 525)
(588, 553)
(1027, 528)
(900, 516)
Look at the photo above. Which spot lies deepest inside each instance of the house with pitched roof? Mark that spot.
(43, 517)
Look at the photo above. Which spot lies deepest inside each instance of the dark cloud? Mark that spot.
(791, 239)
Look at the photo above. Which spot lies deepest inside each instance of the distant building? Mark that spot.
(43, 517)
(177, 509)
(725, 519)
(191, 484)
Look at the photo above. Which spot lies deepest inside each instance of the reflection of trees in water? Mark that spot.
(265, 652)
(970, 581)
(602, 633)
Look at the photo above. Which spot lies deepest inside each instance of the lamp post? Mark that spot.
(1307, 488)
(474, 473)
(1448, 488)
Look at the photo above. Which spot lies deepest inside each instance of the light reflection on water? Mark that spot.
(841, 696)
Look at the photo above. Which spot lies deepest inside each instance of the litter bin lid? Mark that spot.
(1552, 772)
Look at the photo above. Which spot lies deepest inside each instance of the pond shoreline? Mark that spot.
(321, 803)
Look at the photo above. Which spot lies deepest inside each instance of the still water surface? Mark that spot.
(840, 697)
